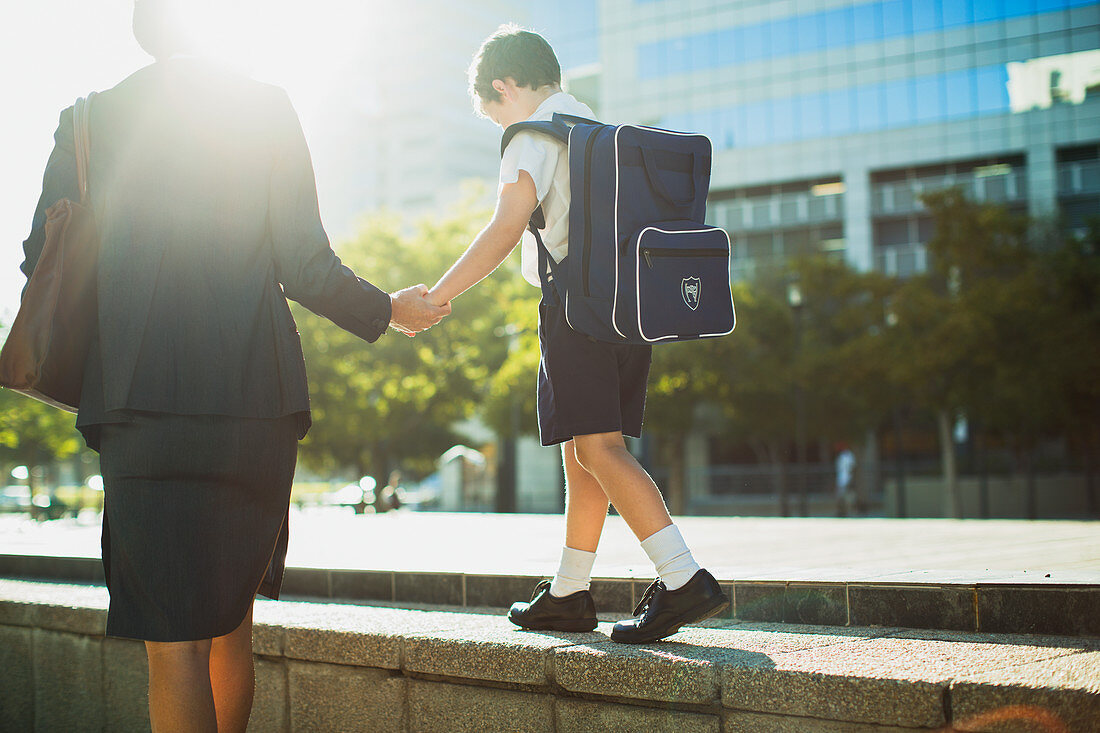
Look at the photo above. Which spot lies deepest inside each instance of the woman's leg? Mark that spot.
(204, 685)
(585, 504)
(180, 698)
(233, 677)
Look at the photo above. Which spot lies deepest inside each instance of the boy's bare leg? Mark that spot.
(180, 698)
(624, 482)
(233, 677)
(585, 504)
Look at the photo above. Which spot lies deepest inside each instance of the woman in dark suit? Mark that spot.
(194, 391)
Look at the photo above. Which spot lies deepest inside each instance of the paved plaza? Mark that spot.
(791, 549)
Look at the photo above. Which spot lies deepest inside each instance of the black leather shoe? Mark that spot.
(662, 612)
(574, 612)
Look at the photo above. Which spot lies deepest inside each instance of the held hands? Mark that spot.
(413, 312)
(418, 308)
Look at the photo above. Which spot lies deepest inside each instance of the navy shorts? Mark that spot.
(587, 386)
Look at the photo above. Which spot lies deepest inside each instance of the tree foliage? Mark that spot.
(1074, 291)
(1004, 328)
(33, 434)
(843, 362)
(395, 402)
(983, 332)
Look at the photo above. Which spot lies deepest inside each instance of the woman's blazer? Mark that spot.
(204, 196)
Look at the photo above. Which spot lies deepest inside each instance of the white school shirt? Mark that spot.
(547, 162)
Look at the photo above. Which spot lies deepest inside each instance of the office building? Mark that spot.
(830, 117)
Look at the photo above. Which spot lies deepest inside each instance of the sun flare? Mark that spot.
(299, 46)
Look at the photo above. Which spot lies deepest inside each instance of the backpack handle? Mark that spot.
(659, 184)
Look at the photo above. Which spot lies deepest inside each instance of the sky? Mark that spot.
(53, 51)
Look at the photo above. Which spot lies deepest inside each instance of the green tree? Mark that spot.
(1073, 269)
(842, 366)
(758, 394)
(844, 363)
(974, 334)
(394, 402)
(34, 434)
(683, 377)
(511, 393)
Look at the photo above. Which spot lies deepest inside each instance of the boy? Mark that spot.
(590, 393)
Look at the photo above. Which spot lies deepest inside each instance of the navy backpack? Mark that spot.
(642, 268)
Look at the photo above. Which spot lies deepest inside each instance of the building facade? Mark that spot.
(830, 117)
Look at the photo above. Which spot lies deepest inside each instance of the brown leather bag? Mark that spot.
(46, 348)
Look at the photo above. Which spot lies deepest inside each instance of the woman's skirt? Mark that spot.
(194, 520)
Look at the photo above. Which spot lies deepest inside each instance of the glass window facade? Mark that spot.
(1079, 186)
(572, 28)
(1001, 180)
(974, 93)
(868, 108)
(770, 224)
(902, 227)
(867, 22)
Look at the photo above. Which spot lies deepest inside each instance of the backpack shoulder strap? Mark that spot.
(571, 120)
(557, 130)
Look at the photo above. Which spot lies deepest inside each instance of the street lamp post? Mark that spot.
(794, 299)
(891, 319)
(508, 466)
(899, 464)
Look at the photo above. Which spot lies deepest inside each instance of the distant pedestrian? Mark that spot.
(386, 498)
(845, 467)
(391, 495)
(194, 389)
(590, 393)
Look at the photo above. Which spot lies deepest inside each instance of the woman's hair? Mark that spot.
(512, 52)
(159, 27)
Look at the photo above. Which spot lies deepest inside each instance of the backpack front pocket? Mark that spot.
(683, 281)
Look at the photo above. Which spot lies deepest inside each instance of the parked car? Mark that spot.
(357, 496)
(425, 495)
(45, 507)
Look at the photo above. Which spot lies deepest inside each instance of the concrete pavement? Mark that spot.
(819, 549)
(997, 576)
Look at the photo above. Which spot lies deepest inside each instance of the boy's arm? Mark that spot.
(515, 205)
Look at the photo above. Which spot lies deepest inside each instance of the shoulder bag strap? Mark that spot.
(82, 143)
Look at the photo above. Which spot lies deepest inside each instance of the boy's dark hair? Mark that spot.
(512, 52)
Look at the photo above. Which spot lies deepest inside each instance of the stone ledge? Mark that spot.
(920, 600)
(384, 667)
(1066, 687)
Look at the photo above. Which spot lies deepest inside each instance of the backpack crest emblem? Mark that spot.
(690, 289)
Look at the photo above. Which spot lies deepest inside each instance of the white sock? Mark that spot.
(574, 573)
(671, 556)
